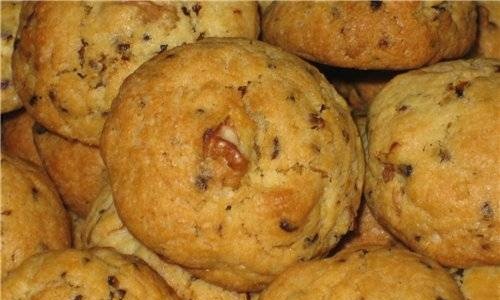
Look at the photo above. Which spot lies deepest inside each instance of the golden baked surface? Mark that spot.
(481, 283)
(76, 168)
(17, 137)
(433, 174)
(10, 20)
(365, 273)
(33, 218)
(372, 34)
(235, 145)
(93, 46)
(488, 44)
(97, 273)
(103, 228)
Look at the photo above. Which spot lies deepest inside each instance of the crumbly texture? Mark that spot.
(236, 145)
(33, 218)
(10, 20)
(103, 228)
(371, 272)
(432, 176)
(93, 46)
(488, 42)
(17, 137)
(76, 168)
(479, 283)
(94, 274)
(372, 34)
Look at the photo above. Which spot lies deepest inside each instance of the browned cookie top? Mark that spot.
(372, 34)
(73, 56)
(234, 159)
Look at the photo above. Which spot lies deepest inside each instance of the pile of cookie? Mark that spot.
(235, 150)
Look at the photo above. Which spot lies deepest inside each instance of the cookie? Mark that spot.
(10, 20)
(372, 34)
(33, 218)
(17, 137)
(479, 283)
(488, 42)
(76, 168)
(94, 46)
(365, 273)
(97, 273)
(245, 160)
(103, 228)
(432, 176)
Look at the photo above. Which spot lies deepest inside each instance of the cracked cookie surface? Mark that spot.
(245, 160)
(94, 46)
(432, 168)
(97, 273)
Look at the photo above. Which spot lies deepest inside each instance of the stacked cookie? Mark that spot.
(164, 152)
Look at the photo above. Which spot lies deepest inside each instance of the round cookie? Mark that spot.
(33, 218)
(84, 274)
(372, 34)
(479, 283)
(371, 272)
(10, 20)
(488, 42)
(94, 46)
(245, 160)
(103, 228)
(432, 176)
(17, 137)
(76, 169)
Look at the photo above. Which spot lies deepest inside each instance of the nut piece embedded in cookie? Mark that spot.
(246, 160)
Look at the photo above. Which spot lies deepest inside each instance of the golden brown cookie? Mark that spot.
(10, 21)
(245, 160)
(372, 34)
(76, 168)
(94, 46)
(488, 42)
(432, 176)
(33, 218)
(371, 272)
(479, 283)
(17, 137)
(97, 273)
(103, 228)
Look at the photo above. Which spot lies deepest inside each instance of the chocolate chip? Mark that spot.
(7, 36)
(237, 11)
(185, 11)
(63, 274)
(122, 47)
(113, 281)
(34, 193)
(243, 90)
(287, 226)
(345, 134)
(444, 155)
(417, 238)
(308, 241)
(121, 293)
(276, 148)
(7, 212)
(163, 48)
(81, 51)
(78, 297)
(201, 182)
(86, 260)
(271, 66)
(228, 207)
(201, 36)
(375, 5)
(196, 8)
(316, 121)
(81, 75)
(405, 170)
(33, 100)
(458, 88)
(388, 172)
(487, 211)
(439, 7)
(401, 108)
(291, 98)
(5, 84)
(383, 43)
(146, 37)
(323, 108)
(52, 95)
(38, 128)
